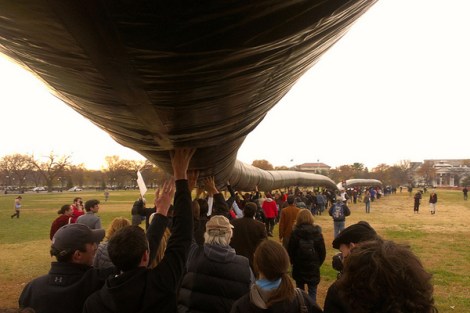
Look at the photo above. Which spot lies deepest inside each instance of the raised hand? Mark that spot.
(209, 184)
(180, 159)
(163, 201)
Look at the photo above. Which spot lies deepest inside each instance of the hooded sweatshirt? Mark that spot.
(150, 290)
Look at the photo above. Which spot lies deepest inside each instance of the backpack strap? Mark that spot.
(300, 298)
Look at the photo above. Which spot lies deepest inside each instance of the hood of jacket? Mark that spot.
(219, 253)
(307, 230)
(124, 291)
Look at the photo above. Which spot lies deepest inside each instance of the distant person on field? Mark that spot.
(287, 220)
(17, 207)
(90, 218)
(72, 278)
(417, 201)
(307, 252)
(137, 288)
(273, 290)
(366, 200)
(465, 193)
(77, 209)
(432, 202)
(338, 211)
(65, 217)
(102, 259)
(106, 195)
(381, 276)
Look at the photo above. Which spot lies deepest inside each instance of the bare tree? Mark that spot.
(427, 171)
(52, 168)
(16, 167)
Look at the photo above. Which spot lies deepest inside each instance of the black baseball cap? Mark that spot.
(73, 237)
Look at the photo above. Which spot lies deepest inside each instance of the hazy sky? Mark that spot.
(396, 87)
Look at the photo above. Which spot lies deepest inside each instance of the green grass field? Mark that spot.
(439, 240)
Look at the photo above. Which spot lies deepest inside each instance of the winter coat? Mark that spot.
(215, 278)
(247, 235)
(307, 253)
(64, 289)
(270, 208)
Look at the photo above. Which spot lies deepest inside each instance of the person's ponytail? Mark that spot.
(285, 291)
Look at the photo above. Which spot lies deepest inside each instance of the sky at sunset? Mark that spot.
(394, 88)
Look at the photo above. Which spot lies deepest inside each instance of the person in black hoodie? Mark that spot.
(307, 252)
(138, 288)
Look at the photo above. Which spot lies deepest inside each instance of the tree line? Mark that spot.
(400, 174)
(56, 172)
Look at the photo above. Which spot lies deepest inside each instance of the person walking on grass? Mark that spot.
(432, 202)
(465, 193)
(306, 252)
(366, 201)
(417, 201)
(338, 212)
(287, 221)
(17, 207)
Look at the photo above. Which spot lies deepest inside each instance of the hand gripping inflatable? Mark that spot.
(157, 75)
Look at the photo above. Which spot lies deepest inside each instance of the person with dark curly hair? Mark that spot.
(382, 276)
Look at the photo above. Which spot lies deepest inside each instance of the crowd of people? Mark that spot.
(212, 254)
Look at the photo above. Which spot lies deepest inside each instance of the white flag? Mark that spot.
(141, 184)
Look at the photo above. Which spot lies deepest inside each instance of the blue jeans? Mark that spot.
(312, 289)
(339, 226)
(367, 207)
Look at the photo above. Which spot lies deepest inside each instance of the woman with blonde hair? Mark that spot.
(102, 259)
(274, 290)
(307, 252)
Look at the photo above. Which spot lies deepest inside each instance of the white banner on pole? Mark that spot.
(141, 184)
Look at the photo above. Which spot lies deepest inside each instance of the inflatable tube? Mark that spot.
(246, 177)
(157, 75)
(362, 182)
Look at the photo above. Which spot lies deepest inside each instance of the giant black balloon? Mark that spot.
(157, 75)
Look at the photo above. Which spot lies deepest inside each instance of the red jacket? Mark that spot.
(270, 208)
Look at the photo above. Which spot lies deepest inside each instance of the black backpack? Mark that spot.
(306, 250)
